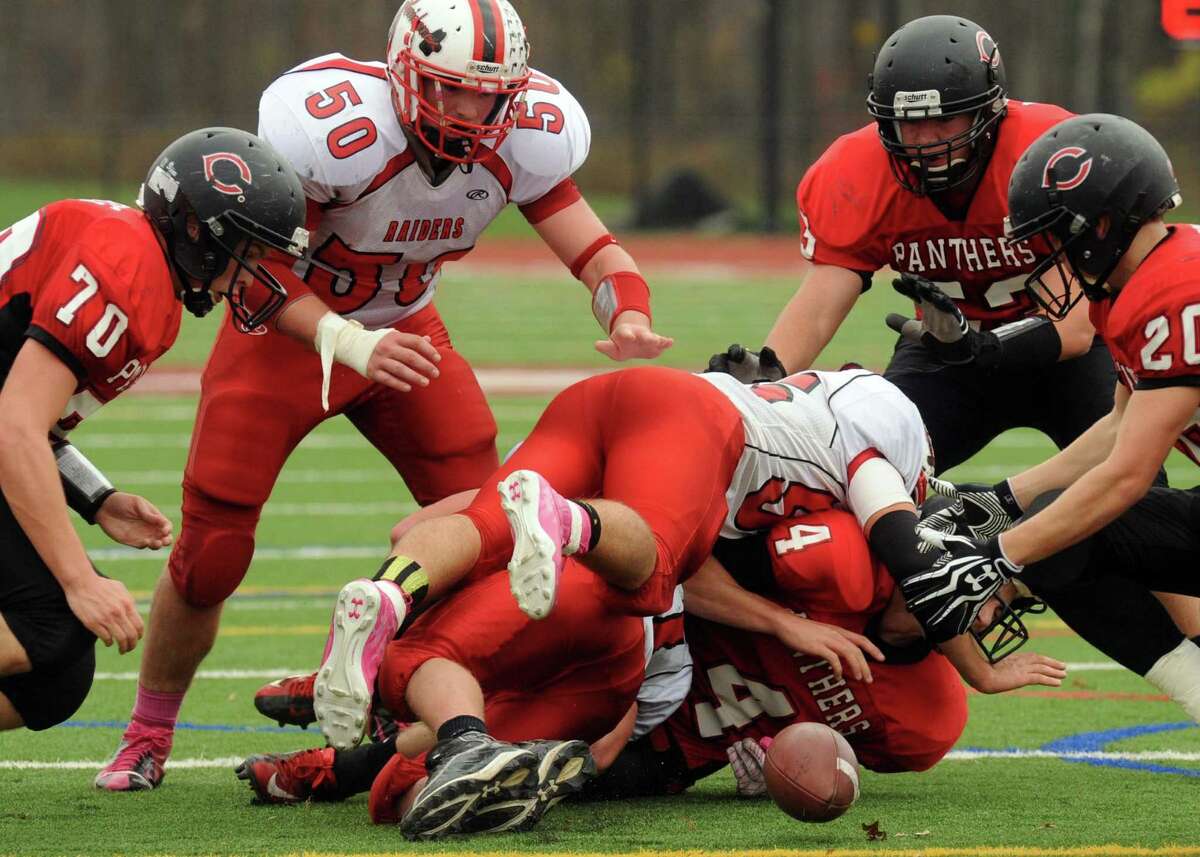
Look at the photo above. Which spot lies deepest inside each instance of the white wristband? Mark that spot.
(346, 342)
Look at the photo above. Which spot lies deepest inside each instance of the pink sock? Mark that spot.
(157, 708)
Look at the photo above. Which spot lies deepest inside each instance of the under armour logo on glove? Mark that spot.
(947, 598)
(749, 367)
(977, 511)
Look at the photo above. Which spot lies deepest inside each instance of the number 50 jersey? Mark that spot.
(88, 280)
(374, 214)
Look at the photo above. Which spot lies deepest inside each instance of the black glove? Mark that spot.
(749, 367)
(977, 511)
(942, 327)
(947, 597)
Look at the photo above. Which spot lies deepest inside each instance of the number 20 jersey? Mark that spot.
(88, 280)
(374, 214)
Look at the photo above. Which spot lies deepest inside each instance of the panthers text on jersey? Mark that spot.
(807, 435)
(1151, 325)
(751, 685)
(88, 280)
(374, 214)
(855, 215)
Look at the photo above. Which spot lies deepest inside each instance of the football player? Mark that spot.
(404, 164)
(922, 190)
(629, 442)
(91, 294)
(748, 686)
(1095, 188)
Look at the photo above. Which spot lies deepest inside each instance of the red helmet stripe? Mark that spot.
(486, 14)
(477, 16)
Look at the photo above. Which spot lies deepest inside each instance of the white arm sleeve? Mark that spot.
(874, 486)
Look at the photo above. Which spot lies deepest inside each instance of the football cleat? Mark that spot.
(288, 701)
(467, 774)
(291, 777)
(563, 769)
(365, 619)
(545, 528)
(138, 763)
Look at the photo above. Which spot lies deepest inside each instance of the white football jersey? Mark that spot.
(381, 222)
(805, 438)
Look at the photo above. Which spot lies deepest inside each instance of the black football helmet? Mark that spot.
(239, 191)
(1007, 632)
(1085, 168)
(932, 68)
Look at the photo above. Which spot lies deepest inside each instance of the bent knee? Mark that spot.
(48, 696)
(213, 552)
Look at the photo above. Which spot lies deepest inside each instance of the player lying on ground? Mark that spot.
(405, 163)
(1095, 188)
(746, 687)
(91, 293)
(628, 442)
(905, 720)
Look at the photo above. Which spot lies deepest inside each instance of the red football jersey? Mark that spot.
(87, 279)
(855, 215)
(750, 685)
(1151, 326)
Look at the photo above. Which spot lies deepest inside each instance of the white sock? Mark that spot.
(1177, 674)
(393, 593)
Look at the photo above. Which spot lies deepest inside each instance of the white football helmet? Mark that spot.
(438, 49)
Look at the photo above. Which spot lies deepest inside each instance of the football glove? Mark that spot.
(746, 758)
(947, 597)
(977, 511)
(749, 367)
(942, 328)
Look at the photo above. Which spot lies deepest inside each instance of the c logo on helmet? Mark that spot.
(1081, 171)
(210, 162)
(988, 52)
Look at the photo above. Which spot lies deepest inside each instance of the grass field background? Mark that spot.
(327, 522)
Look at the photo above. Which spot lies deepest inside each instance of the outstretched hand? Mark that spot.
(629, 341)
(134, 521)
(1023, 669)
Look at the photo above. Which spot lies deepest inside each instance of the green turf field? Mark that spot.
(1100, 763)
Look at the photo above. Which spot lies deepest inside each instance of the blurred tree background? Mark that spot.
(746, 94)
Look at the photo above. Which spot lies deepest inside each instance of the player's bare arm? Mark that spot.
(611, 276)
(31, 401)
(390, 357)
(1085, 452)
(813, 315)
(1153, 420)
(712, 593)
(1016, 671)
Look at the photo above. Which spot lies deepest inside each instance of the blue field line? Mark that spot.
(182, 726)
(1091, 742)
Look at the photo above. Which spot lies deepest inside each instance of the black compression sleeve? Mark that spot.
(1030, 343)
(894, 541)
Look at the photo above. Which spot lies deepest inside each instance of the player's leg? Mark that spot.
(13, 657)
(46, 695)
(10, 718)
(660, 509)
(960, 405)
(252, 413)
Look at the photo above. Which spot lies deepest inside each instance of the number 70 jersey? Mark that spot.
(374, 214)
(88, 280)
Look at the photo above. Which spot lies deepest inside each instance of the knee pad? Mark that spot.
(47, 696)
(214, 550)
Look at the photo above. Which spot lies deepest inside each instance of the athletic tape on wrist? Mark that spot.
(346, 342)
(617, 293)
(85, 486)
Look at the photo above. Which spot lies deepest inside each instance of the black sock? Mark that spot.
(456, 726)
(356, 769)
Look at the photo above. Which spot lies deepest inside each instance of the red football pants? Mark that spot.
(661, 441)
(573, 674)
(261, 395)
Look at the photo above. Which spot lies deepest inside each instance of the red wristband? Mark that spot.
(618, 293)
(592, 249)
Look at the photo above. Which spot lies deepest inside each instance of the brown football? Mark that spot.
(811, 772)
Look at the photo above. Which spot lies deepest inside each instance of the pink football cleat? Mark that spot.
(367, 615)
(138, 763)
(545, 528)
